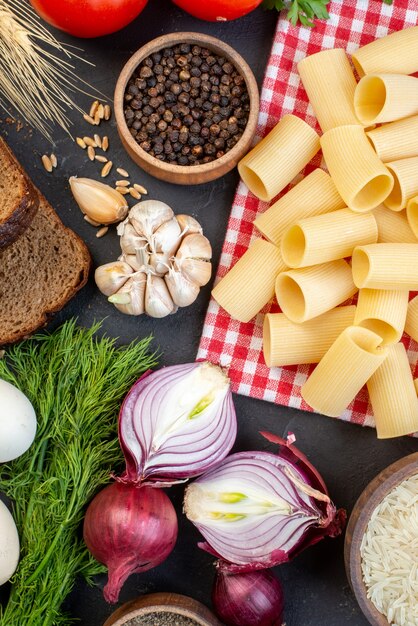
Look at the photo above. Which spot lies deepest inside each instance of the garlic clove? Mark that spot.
(130, 241)
(149, 215)
(166, 238)
(196, 270)
(194, 246)
(189, 225)
(131, 296)
(111, 277)
(182, 290)
(98, 201)
(158, 302)
(160, 263)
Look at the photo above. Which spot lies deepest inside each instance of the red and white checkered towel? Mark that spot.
(238, 346)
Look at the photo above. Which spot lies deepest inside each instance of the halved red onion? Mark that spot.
(176, 423)
(258, 509)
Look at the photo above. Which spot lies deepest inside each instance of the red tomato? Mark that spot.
(88, 18)
(218, 10)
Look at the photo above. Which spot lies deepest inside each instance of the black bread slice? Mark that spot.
(18, 197)
(39, 273)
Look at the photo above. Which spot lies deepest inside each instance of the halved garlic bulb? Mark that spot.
(169, 260)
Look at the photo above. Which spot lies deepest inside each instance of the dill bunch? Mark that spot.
(76, 382)
(35, 69)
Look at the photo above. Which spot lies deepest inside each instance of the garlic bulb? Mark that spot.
(158, 302)
(130, 297)
(111, 276)
(168, 259)
(98, 201)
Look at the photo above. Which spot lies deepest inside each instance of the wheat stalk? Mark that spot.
(36, 72)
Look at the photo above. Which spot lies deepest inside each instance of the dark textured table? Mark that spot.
(316, 589)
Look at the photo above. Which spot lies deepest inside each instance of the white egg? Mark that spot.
(9, 544)
(17, 422)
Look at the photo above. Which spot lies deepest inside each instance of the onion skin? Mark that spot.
(253, 599)
(130, 530)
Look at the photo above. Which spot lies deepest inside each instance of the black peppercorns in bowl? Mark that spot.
(186, 107)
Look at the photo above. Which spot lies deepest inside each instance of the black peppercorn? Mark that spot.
(186, 105)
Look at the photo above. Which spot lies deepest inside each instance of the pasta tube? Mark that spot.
(385, 97)
(249, 285)
(346, 367)
(327, 237)
(314, 195)
(393, 395)
(405, 176)
(412, 214)
(386, 266)
(411, 324)
(397, 140)
(397, 53)
(286, 343)
(359, 176)
(276, 160)
(330, 84)
(393, 227)
(383, 312)
(306, 293)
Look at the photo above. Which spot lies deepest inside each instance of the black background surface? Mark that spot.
(316, 589)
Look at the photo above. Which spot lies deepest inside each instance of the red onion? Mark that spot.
(176, 423)
(253, 599)
(129, 529)
(257, 509)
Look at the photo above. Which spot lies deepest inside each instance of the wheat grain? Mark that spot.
(102, 232)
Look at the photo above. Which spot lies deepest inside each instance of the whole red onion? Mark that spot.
(129, 529)
(253, 599)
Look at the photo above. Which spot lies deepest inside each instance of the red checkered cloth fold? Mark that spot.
(231, 343)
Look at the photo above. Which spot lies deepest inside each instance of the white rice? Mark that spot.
(389, 553)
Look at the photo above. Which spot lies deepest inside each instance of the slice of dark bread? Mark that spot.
(18, 197)
(39, 273)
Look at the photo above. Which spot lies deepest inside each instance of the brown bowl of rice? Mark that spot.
(381, 546)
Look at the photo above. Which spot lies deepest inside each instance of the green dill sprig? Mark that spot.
(76, 382)
(303, 11)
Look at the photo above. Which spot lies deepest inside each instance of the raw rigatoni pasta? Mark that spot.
(393, 395)
(305, 293)
(416, 384)
(397, 53)
(276, 160)
(386, 266)
(412, 215)
(249, 285)
(393, 227)
(405, 176)
(314, 195)
(397, 140)
(382, 311)
(346, 367)
(287, 343)
(385, 97)
(330, 84)
(327, 237)
(359, 176)
(411, 324)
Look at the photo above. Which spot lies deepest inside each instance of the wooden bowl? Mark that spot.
(371, 497)
(186, 174)
(163, 603)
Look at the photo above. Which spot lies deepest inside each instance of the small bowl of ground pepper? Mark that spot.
(163, 609)
(186, 108)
